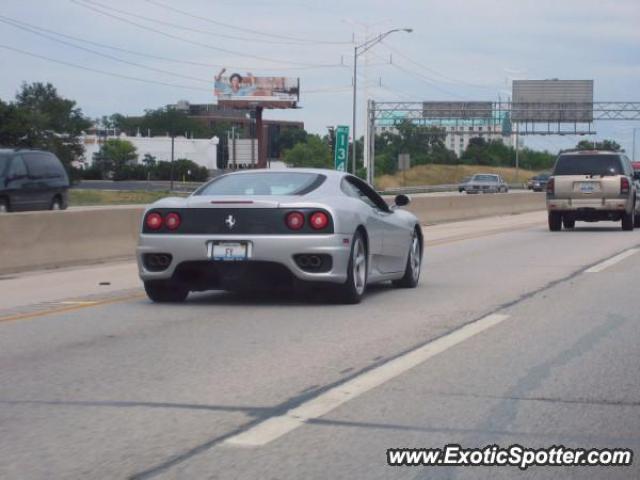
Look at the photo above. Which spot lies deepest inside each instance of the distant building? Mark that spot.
(204, 152)
(213, 115)
(458, 137)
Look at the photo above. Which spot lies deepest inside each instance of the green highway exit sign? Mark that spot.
(341, 154)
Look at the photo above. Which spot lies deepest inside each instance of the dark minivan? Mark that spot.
(32, 180)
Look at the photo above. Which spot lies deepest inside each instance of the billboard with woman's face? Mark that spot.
(243, 88)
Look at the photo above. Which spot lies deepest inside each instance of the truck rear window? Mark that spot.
(4, 162)
(588, 165)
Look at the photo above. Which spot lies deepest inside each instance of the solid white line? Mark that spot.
(275, 427)
(612, 261)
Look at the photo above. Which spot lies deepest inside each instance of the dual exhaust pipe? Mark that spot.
(157, 262)
(309, 261)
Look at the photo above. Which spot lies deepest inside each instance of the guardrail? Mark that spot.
(37, 240)
(436, 189)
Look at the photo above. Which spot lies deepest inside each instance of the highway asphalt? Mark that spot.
(514, 335)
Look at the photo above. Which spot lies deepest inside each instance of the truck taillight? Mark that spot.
(551, 186)
(625, 186)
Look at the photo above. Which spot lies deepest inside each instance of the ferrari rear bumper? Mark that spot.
(269, 256)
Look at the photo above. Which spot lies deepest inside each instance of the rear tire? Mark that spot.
(414, 263)
(636, 221)
(352, 291)
(4, 205)
(161, 291)
(628, 220)
(568, 223)
(56, 204)
(555, 221)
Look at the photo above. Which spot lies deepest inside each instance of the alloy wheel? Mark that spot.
(359, 266)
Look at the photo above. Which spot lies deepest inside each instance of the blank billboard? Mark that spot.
(562, 101)
(457, 110)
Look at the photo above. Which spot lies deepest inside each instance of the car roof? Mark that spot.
(14, 150)
(319, 171)
(590, 152)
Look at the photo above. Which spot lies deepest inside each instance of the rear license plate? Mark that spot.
(588, 187)
(228, 251)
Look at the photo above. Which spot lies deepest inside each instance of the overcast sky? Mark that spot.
(459, 50)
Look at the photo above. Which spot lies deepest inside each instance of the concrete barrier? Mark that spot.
(38, 240)
(449, 208)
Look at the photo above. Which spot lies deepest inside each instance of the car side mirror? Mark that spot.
(402, 200)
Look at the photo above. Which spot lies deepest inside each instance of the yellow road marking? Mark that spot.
(70, 307)
(73, 302)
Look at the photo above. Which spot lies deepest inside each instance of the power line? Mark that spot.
(452, 81)
(427, 80)
(104, 55)
(103, 72)
(175, 37)
(242, 29)
(144, 80)
(159, 57)
(191, 29)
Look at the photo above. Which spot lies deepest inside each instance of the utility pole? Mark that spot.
(517, 149)
(353, 126)
(359, 50)
(173, 139)
(633, 153)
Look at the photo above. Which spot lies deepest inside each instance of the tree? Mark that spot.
(183, 169)
(149, 161)
(287, 138)
(114, 157)
(495, 153)
(609, 145)
(312, 153)
(40, 118)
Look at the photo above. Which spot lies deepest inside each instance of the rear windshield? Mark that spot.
(4, 162)
(588, 165)
(264, 183)
(485, 178)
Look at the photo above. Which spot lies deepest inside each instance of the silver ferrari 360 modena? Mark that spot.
(259, 229)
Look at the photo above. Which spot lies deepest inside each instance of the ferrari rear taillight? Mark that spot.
(319, 220)
(624, 186)
(551, 186)
(154, 221)
(172, 221)
(294, 220)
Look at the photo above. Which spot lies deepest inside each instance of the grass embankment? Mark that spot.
(78, 197)
(446, 174)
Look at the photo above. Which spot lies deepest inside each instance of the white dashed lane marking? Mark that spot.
(611, 261)
(275, 427)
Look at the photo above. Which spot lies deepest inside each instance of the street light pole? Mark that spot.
(633, 154)
(359, 50)
(353, 132)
